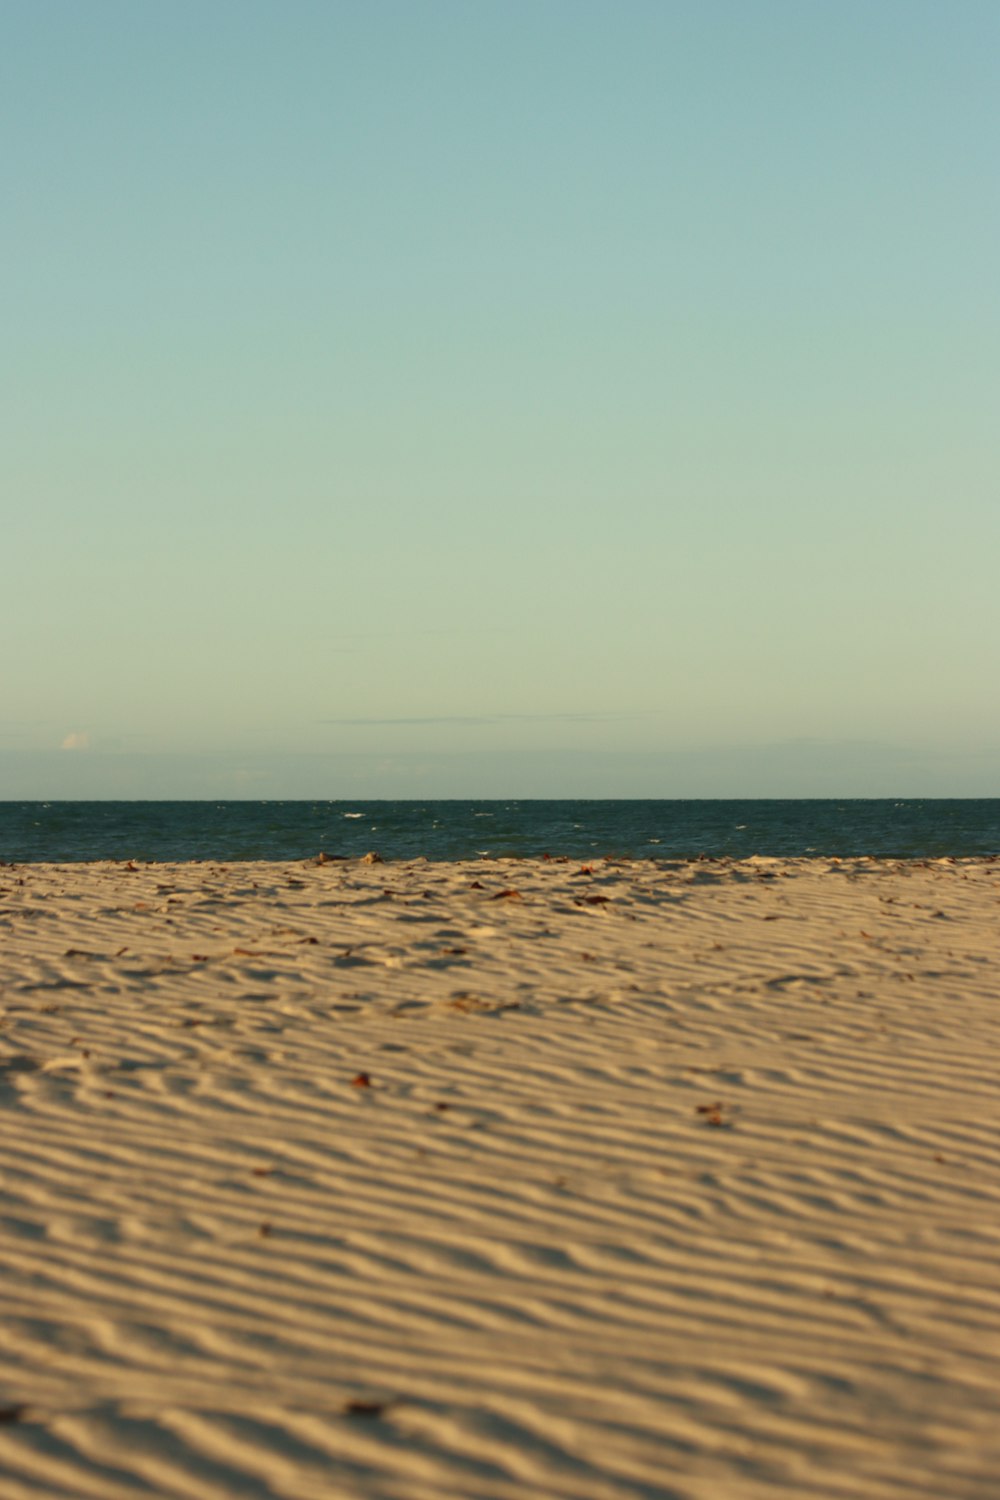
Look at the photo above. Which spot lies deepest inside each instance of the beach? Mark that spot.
(500, 1178)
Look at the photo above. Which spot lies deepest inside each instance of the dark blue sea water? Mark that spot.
(61, 831)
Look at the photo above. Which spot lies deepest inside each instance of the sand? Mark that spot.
(500, 1179)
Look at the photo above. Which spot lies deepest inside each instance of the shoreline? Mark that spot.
(498, 1177)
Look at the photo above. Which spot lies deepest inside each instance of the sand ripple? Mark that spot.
(500, 1179)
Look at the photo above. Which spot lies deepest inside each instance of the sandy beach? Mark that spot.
(497, 1179)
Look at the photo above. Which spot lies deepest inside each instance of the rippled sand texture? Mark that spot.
(500, 1179)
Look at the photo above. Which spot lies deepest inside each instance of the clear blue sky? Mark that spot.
(500, 396)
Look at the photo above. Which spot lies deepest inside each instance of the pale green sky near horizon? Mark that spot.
(500, 397)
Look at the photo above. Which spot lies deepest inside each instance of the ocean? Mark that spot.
(58, 832)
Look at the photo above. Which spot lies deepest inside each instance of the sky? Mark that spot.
(499, 397)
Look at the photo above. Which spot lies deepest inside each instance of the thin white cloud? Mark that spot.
(78, 739)
(580, 718)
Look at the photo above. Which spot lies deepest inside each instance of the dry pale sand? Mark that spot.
(500, 1179)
